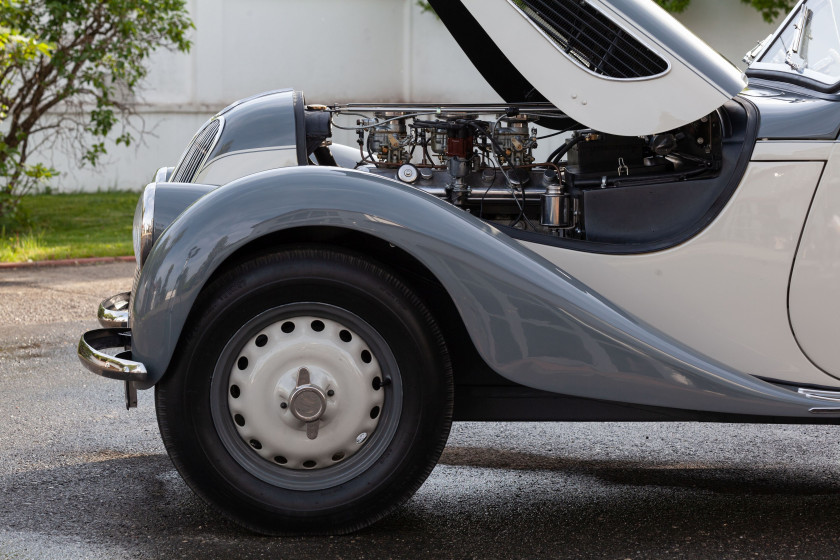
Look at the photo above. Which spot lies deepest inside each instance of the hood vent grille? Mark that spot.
(201, 145)
(592, 40)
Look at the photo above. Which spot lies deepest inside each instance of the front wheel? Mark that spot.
(312, 394)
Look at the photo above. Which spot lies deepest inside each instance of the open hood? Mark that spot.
(619, 66)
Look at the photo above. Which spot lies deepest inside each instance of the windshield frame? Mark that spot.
(784, 71)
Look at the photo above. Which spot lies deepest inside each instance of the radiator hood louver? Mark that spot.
(622, 67)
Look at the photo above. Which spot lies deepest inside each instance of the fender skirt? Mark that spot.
(529, 320)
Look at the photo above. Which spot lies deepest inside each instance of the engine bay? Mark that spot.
(481, 158)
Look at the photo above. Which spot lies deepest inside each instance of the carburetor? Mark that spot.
(512, 135)
(388, 137)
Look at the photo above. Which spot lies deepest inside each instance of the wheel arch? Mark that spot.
(467, 363)
(350, 209)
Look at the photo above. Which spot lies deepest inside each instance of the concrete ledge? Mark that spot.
(65, 262)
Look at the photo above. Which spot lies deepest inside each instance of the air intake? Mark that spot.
(201, 145)
(592, 40)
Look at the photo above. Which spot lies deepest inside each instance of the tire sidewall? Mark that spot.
(345, 282)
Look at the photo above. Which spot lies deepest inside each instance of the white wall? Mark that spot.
(729, 26)
(334, 51)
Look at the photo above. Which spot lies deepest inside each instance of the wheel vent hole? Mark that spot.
(317, 325)
(287, 327)
(242, 363)
(374, 412)
(256, 444)
(234, 391)
(310, 464)
(261, 341)
(338, 456)
(239, 419)
(280, 459)
(345, 335)
(366, 357)
(377, 383)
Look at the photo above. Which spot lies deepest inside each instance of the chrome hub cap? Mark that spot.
(308, 403)
(305, 393)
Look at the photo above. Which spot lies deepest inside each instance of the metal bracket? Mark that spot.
(793, 57)
(130, 395)
(622, 167)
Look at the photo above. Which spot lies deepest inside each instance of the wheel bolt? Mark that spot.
(284, 405)
(330, 393)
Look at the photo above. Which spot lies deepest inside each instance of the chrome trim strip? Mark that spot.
(113, 312)
(822, 395)
(147, 223)
(163, 174)
(826, 410)
(446, 108)
(107, 365)
(177, 169)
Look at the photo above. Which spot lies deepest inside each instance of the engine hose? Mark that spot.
(557, 154)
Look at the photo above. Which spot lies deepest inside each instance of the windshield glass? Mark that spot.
(809, 45)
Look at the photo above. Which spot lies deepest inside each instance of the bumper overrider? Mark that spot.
(113, 316)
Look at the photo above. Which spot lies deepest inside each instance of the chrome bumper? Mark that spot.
(113, 315)
(118, 366)
(113, 312)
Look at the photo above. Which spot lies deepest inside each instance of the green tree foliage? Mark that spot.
(674, 6)
(71, 68)
(425, 6)
(769, 9)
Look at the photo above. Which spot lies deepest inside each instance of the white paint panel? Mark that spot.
(625, 107)
(786, 150)
(231, 166)
(724, 292)
(815, 283)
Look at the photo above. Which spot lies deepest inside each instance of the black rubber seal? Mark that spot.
(300, 128)
(795, 79)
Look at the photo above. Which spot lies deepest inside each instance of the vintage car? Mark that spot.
(313, 315)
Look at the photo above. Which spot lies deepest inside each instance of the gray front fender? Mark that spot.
(530, 321)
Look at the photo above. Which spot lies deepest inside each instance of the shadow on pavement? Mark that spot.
(479, 503)
(772, 481)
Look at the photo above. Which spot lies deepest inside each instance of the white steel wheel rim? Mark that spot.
(327, 366)
(314, 372)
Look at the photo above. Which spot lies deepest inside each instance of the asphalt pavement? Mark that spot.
(81, 477)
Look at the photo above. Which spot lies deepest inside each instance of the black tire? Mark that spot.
(198, 402)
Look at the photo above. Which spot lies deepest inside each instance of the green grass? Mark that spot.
(71, 226)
